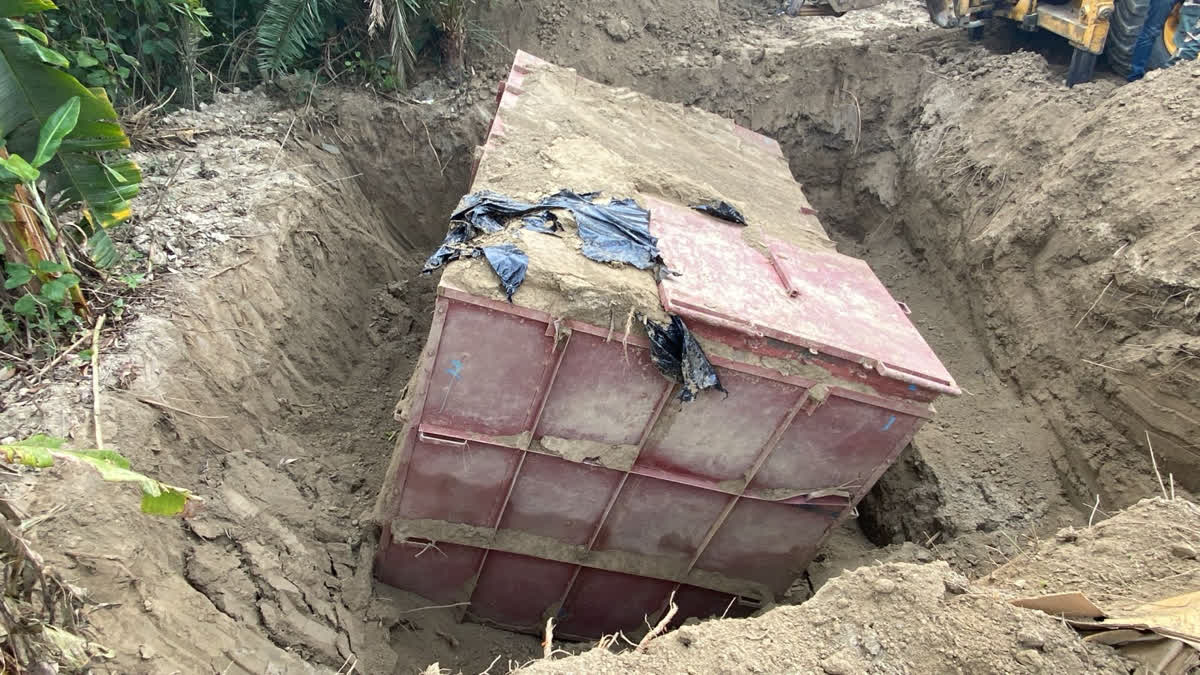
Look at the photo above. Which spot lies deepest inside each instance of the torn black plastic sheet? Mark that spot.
(453, 247)
(490, 211)
(618, 231)
(509, 263)
(679, 357)
(723, 210)
(542, 221)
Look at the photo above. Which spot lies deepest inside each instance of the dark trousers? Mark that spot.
(1189, 37)
(1156, 16)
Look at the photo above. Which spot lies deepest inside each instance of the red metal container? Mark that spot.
(547, 470)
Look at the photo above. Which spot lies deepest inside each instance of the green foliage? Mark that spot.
(35, 451)
(40, 451)
(61, 123)
(71, 133)
(36, 100)
(287, 30)
(133, 48)
(291, 30)
(22, 7)
(144, 51)
(49, 309)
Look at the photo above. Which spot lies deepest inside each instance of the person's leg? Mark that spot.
(1189, 33)
(1156, 16)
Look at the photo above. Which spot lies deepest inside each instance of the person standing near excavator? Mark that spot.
(1156, 16)
(1189, 32)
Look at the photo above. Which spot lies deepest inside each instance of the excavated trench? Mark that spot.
(300, 338)
(356, 262)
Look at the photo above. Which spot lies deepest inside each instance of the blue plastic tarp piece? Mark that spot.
(618, 231)
(453, 247)
(509, 263)
(542, 221)
(680, 358)
(488, 211)
(723, 210)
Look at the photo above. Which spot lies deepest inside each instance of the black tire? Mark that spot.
(1123, 28)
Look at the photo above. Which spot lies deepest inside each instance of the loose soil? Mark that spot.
(909, 618)
(1044, 238)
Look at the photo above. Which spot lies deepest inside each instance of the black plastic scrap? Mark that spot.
(618, 231)
(488, 211)
(509, 263)
(723, 210)
(542, 221)
(453, 247)
(677, 354)
(479, 213)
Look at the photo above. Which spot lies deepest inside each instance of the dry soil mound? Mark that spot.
(907, 618)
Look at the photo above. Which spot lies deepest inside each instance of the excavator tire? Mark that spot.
(1123, 28)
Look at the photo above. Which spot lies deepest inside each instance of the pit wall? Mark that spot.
(261, 375)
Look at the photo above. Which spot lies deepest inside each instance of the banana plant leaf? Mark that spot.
(32, 88)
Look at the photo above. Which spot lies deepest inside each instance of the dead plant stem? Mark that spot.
(1085, 314)
(166, 186)
(96, 379)
(1154, 463)
(421, 609)
(63, 354)
(548, 639)
(167, 406)
(436, 156)
(661, 626)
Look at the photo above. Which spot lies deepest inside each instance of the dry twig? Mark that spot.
(1101, 365)
(166, 187)
(1085, 314)
(488, 670)
(858, 116)
(96, 379)
(548, 639)
(1153, 462)
(421, 609)
(62, 355)
(166, 406)
(436, 156)
(662, 624)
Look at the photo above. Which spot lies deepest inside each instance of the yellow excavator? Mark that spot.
(1093, 27)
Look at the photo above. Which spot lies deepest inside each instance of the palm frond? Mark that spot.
(404, 57)
(287, 29)
(375, 18)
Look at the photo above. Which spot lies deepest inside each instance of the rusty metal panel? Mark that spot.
(835, 448)
(548, 470)
(441, 571)
(559, 499)
(519, 592)
(660, 518)
(715, 438)
(819, 299)
(618, 602)
(457, 482)
(768, 543)
(488, 372)
(605, 391)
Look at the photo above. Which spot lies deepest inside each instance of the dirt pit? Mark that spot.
(1045, 239)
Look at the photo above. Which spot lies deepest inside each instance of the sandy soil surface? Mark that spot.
(1045, 239)
(925, 618)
